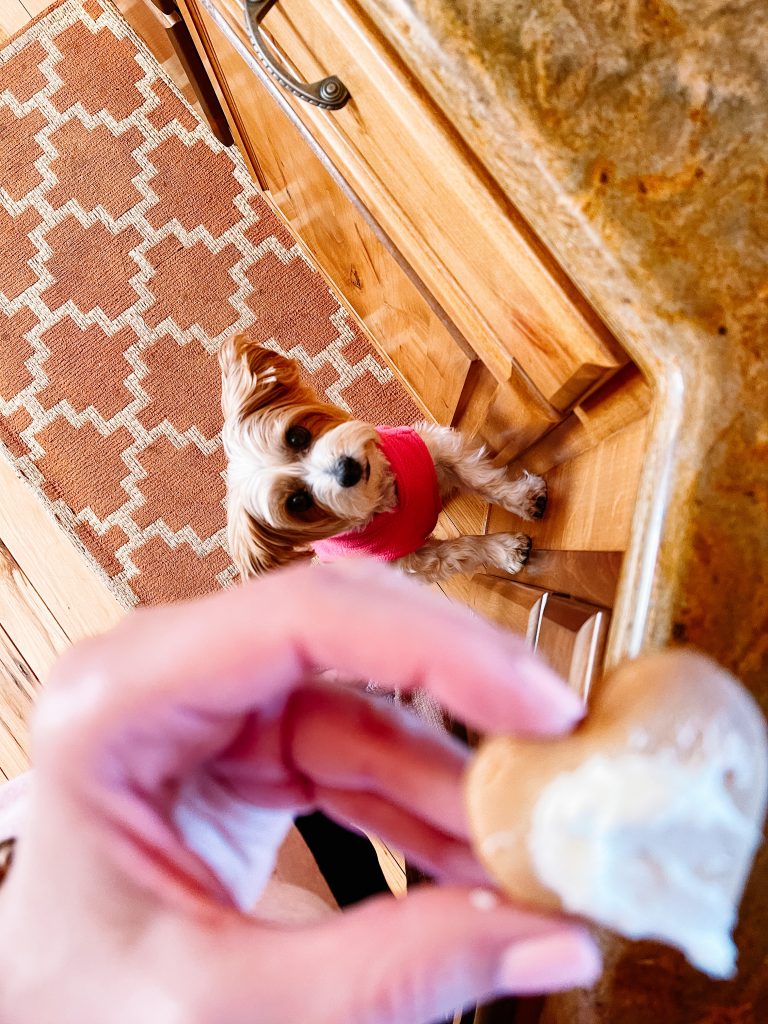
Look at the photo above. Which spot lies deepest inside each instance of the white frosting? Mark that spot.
(483, 899)
(652, 846)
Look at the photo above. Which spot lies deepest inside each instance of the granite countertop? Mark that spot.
(633, 136)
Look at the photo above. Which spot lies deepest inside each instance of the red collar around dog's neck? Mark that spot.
(403, 529)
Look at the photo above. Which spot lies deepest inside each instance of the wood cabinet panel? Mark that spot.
(589, 575)
(392, 864)
(569, 634)
(624, 399)
(506, 417)
(592, 497)
(571, 637)
(337, 237)
(503, 601)
(189, 58)
(145, 18)
(413, 174)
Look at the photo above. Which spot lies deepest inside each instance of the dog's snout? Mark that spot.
(347, 471)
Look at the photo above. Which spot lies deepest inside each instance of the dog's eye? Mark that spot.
(298, 502)
(298, 438)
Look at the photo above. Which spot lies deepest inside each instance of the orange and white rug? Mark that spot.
(131, 244)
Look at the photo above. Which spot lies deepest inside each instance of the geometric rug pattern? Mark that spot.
(131, 244)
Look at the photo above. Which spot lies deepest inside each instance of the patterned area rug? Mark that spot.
(131, 244)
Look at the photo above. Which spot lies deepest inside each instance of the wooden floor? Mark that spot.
(14, 15)
(49, 596)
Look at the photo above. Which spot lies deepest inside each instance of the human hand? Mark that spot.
(170, 756)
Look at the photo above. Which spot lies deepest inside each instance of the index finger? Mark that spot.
(233, 652)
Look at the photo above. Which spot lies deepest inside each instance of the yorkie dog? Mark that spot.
(304, 478)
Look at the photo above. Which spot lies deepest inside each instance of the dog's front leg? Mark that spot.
(525, 496)
(461, 466)
(439, 559)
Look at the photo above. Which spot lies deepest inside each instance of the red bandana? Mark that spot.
(403, 529)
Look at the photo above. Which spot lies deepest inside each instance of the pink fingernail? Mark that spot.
(552, 963)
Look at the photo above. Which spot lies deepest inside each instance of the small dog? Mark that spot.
(305, 478)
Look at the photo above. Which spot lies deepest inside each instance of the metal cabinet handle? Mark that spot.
(329, 93)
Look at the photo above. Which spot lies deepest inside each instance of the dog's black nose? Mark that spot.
(348, 471)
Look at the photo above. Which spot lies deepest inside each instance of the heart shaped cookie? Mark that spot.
(646, 819)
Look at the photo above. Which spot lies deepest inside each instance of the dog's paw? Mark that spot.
(516, 548)
(535, 500)
(525, 497)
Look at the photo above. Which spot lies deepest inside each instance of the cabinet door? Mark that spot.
(570, 636)
(507, 417)
(512, 605)
(339, 240)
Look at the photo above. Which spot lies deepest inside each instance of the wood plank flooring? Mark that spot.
(13, 16)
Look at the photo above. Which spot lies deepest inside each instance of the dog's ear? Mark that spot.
(254, 378)
(257, 548)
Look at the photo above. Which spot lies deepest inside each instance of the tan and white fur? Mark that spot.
(301, 470)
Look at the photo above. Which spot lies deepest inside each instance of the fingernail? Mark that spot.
(553, 963)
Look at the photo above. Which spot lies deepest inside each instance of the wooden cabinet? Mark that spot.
(571, 636)
(455, 291)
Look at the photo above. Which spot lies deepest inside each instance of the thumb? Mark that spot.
(415, 960)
